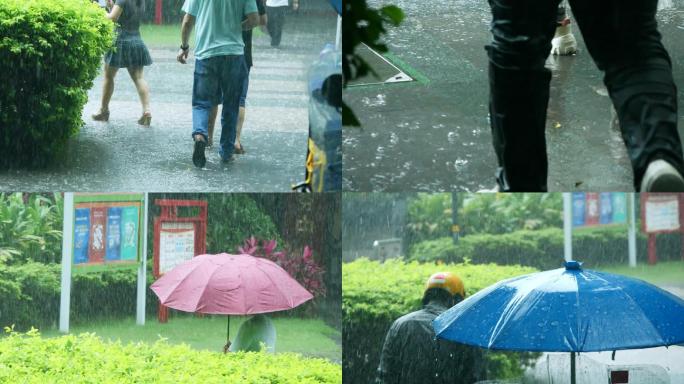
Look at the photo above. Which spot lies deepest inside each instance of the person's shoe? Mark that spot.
(496, 189)
(146, 119)
(564, 42)
(240, 150)
(101, 116)
(198, 157)
(661, 176)
(228, 160)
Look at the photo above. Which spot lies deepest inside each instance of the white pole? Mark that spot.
(142, 271)
(67, 248)
(567, 225)
(338, 38)
(632, 230)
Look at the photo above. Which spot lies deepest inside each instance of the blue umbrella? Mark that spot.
(337, 4)
(566, 310)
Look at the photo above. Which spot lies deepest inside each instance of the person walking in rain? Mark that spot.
(219, 66)
(623, 39)
(276, 10)
(129, 52)
(412, 354)
(255, 334)
(247, 38)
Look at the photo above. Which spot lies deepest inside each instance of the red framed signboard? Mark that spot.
(177, 238)
(661, 213)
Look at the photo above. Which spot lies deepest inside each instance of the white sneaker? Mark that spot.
(661, 176)
(563, 42)
(493, 190)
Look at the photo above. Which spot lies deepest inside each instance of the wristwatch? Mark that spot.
(185, 48)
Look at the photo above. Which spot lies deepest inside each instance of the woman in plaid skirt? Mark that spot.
(129, 52)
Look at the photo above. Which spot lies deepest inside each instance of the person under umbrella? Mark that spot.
(254, 335)
(231, 285)
(411, 354)
(566, 310)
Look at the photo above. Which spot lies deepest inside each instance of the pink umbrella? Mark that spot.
(230, 285)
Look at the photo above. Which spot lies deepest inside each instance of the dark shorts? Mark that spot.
(129, 52)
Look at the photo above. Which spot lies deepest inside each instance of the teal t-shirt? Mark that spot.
(218, 26)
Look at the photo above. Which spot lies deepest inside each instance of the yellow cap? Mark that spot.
(447, 281)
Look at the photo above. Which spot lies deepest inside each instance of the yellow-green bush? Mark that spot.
(28, 358)
(50, 52)
(375, 294)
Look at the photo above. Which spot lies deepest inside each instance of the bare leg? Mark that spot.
(108, 87)
(241, 120)
(212, 123)
(137, 75)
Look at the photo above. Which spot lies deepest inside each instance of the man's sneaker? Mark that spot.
(661, 176)
(198, 157)
(496, 189)
(564, 42)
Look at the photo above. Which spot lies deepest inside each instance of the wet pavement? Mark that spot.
(433, 135)
(121, 155)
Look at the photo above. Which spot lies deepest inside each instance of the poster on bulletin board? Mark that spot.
(107, 228)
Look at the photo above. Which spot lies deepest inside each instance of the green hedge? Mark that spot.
(375, 294)
(31, 292)
(28, 358)
(543, 249)
(50, 52)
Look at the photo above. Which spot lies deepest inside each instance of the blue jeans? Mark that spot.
(215, 76)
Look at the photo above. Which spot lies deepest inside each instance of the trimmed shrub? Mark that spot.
(50, 52)
(30, 295)
(28, 358)
(543, 249)
(375, 294)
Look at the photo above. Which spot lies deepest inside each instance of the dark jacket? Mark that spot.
(411, 354)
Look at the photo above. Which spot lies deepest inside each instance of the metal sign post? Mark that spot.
(632, 231)
(142, 273)
(67, 241)
(567, 225)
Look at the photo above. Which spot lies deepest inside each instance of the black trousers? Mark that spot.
(623, 39)
(276, 21)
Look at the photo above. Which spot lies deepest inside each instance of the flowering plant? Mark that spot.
(302, 267)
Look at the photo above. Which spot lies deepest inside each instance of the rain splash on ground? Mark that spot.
(433, 134)
(120, 155)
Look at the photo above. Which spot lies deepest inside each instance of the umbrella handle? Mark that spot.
(573, 378)
(227, 346)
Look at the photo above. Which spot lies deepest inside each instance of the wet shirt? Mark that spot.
(411, 354)
(129, 20)
(253, 333)
(218, 26)
(247, 35)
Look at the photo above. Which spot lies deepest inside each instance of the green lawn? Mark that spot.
(168, 36)
(310, 337)
(663, 273)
